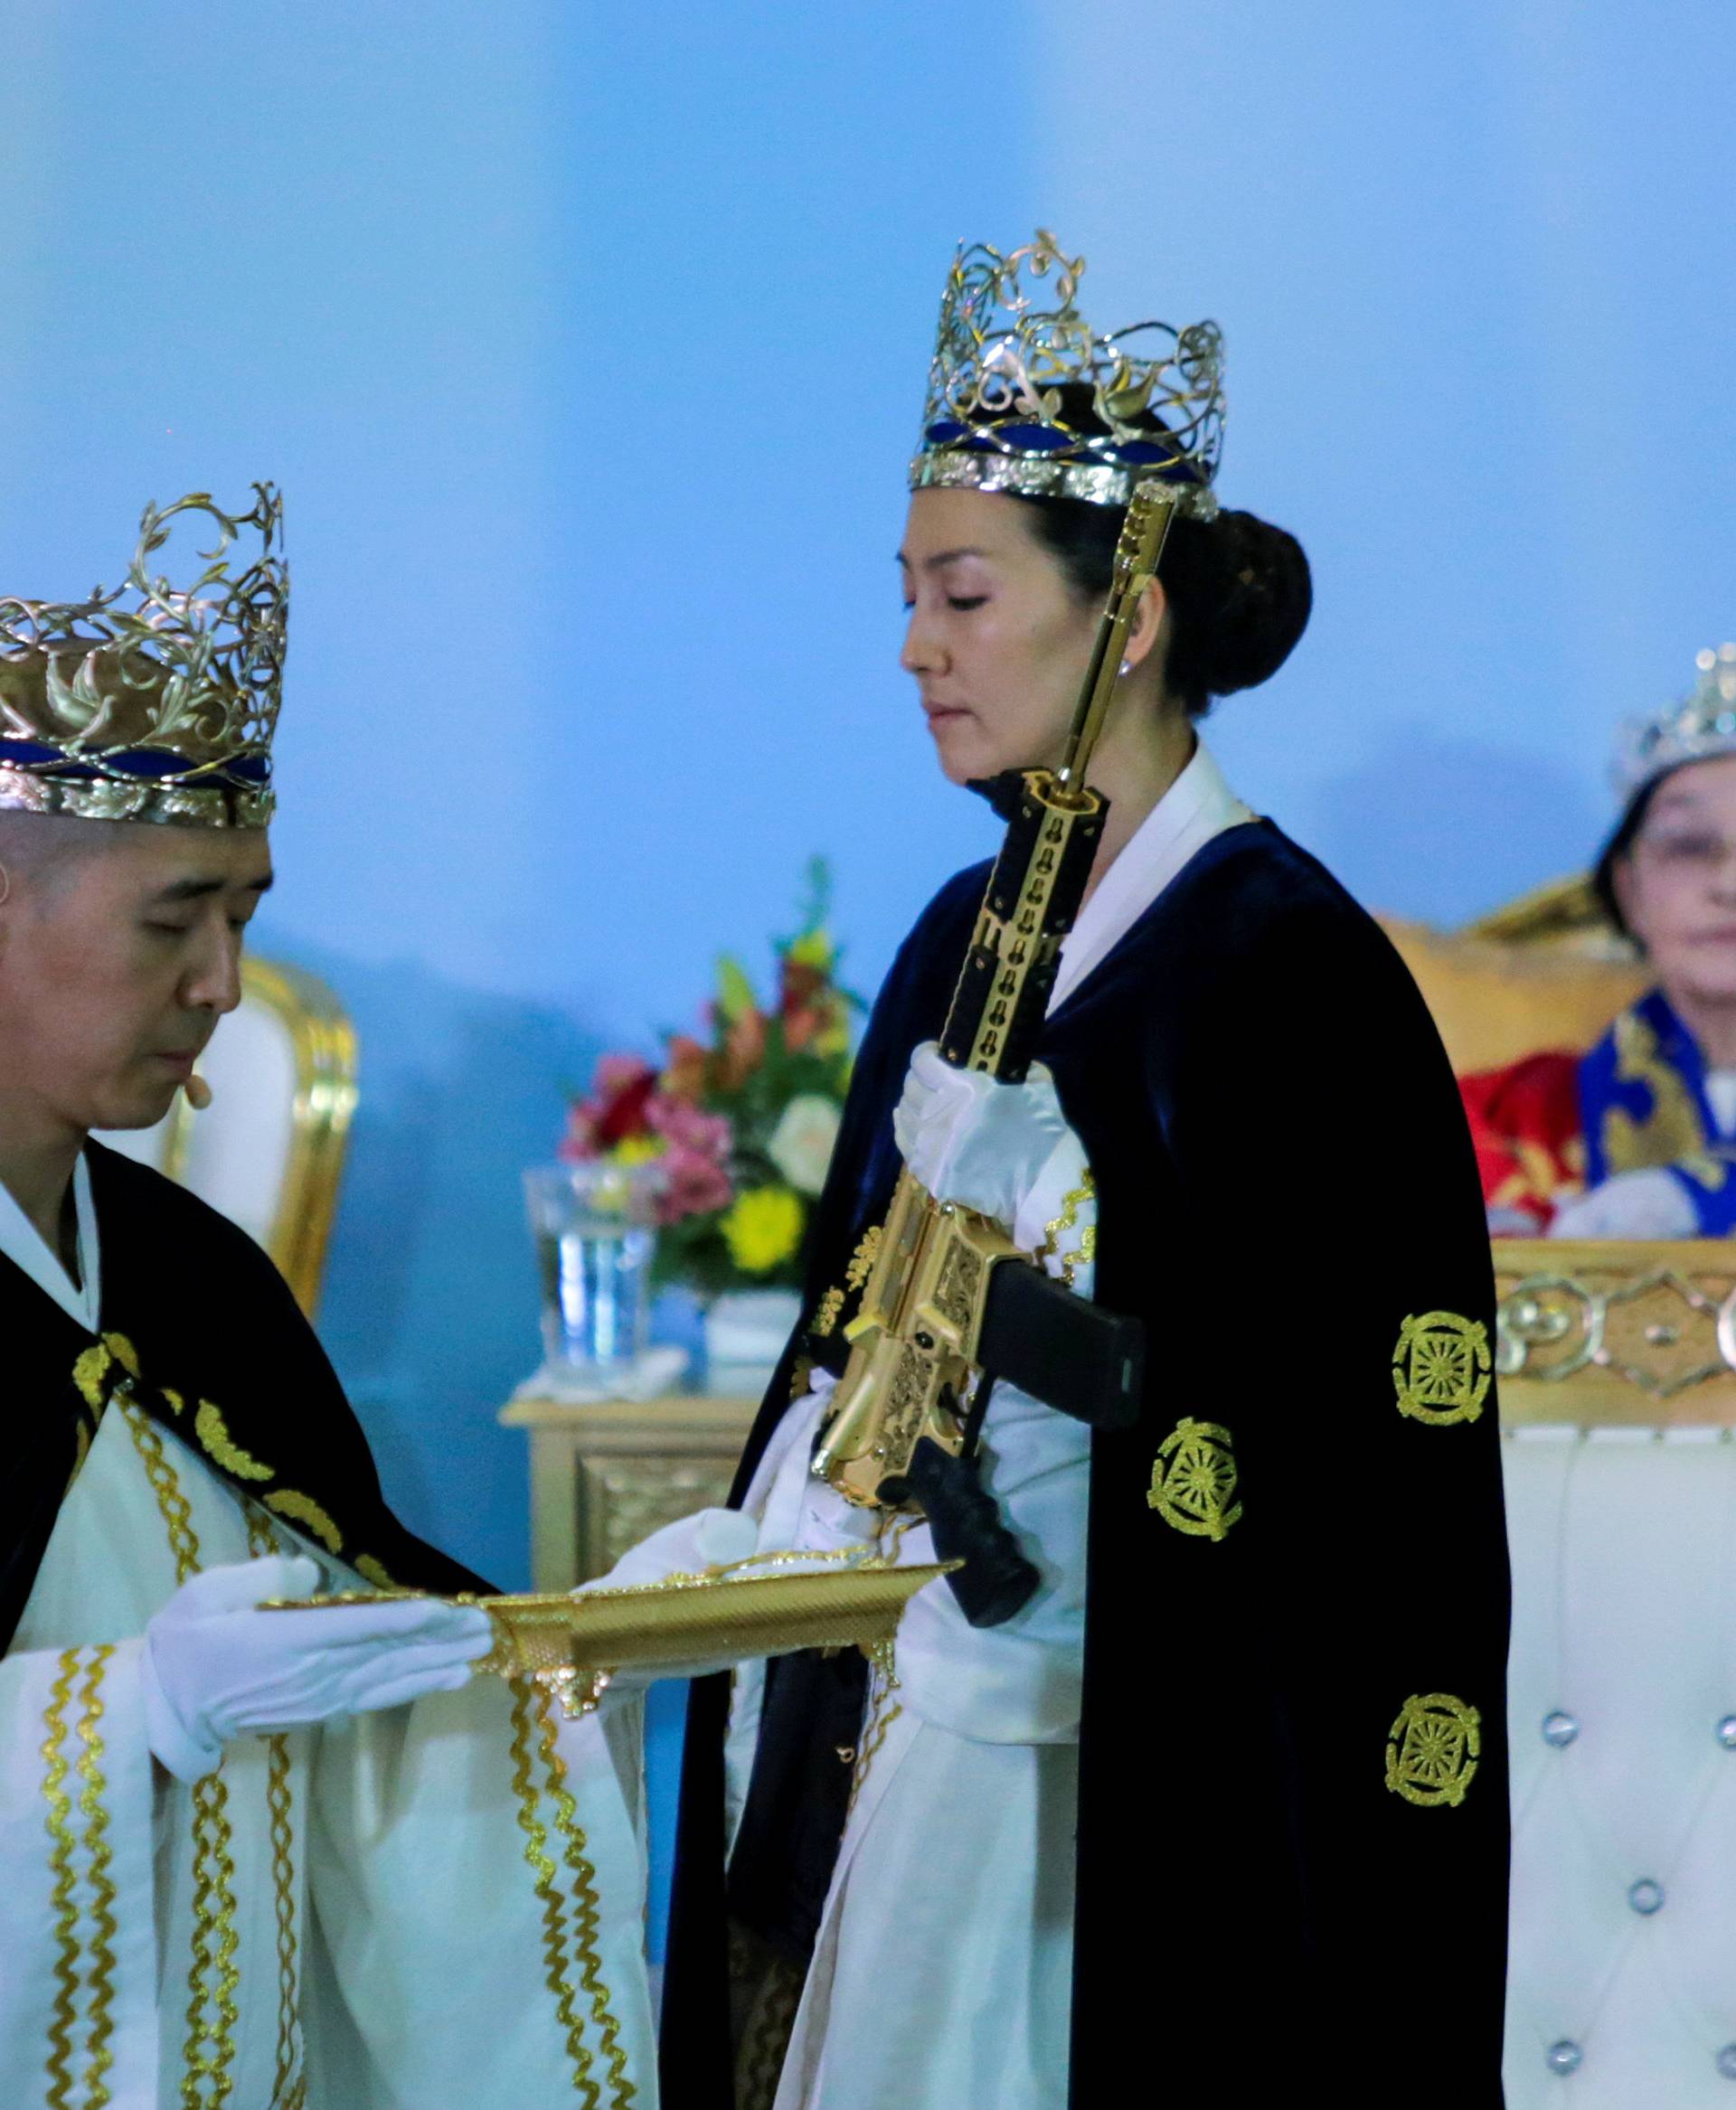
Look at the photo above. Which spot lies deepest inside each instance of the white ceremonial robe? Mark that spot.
(371, 1933)
(941, 1976)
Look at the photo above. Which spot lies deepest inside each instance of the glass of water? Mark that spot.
(595, 1226)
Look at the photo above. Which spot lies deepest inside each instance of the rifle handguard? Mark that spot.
(964, 1522)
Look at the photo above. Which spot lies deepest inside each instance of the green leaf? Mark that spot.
(735, 995)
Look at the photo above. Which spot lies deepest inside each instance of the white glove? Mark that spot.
(1645, 1204)
(973, 1140)
(213, 1666)
(710, 1538)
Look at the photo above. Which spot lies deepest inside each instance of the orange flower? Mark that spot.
(743, 1051)
(683, 1076)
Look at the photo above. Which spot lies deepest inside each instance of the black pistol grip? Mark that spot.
(964, 1522)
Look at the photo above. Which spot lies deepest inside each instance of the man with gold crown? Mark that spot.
(254, 1857)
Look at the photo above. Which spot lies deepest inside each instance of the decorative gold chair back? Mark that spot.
(1546, 972)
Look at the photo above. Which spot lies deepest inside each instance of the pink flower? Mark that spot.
(696, 1183)
(696, 1163)
(683, 1126)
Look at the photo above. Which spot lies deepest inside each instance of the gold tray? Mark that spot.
(573, 1645)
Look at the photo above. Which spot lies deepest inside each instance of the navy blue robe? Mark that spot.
(1292, 1847)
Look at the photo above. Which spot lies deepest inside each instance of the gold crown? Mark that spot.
(1699, 726)
(997, 417)
(152, 702)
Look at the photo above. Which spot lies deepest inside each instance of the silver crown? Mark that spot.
(1701, 725)
(1012, 340)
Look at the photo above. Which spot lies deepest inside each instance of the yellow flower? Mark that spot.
(813, 948)
(763, 1228)
(637, 1150)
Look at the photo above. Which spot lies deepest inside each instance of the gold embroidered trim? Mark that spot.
(173, 1505)
(92, 2090)
(95, 1840)
(287, 2086)
(212, 1975)
(883, 1711)
(1442, 1368)
(64, 2012)
(1084, 1255)
(554, 1934)
(861, 1261)
(1432, 1750)
(280, 1803)
(1193, 1479)
(587, 1907)
(1058, 1227)
(860, 1266)
(373, 1571)
(302, 1508)
(212, 1432)
(88, 1373)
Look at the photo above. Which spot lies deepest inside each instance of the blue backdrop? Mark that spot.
(588, 344)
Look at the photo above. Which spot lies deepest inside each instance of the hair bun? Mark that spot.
(1241, 592)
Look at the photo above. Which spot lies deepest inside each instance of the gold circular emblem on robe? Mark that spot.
(1432, 1750)
(1193, 1479)
(1440, 1367)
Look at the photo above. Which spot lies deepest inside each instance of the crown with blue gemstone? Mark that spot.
(154, 702)
(1024, 397)
(1702, 725)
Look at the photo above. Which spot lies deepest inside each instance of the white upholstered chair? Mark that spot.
(1618, 1403)
(1623, 1687)
(269, 1150)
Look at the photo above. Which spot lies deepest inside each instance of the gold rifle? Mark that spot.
(916, 1341)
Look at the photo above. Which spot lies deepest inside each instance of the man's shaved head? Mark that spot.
(43, 847)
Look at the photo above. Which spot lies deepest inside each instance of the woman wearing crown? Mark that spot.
(1638, 1138)
(1223, 1807)
(259, 1856)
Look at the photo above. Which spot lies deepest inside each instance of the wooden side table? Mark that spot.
(604, 1474)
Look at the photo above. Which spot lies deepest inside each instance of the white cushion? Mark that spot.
(1624, 1622)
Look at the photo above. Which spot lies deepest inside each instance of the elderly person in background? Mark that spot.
(1637, 1139)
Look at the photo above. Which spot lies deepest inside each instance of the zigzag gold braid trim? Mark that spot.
(554, 1936)
(176, 1509)
(1057, 1228)
(66, 1912)
(883, 1711)
(95, 1840)
(587, 1907)
(283, 1882)
(213, 1976)
(287, 2088)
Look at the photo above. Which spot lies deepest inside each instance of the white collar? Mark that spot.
(24, 1246)
(1198, 805)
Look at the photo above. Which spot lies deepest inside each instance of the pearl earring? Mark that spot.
(1126, 666)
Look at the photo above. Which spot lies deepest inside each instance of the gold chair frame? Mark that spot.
(322, 1043)
(1616, 1333)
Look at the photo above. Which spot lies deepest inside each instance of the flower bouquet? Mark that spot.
(741, 1120)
